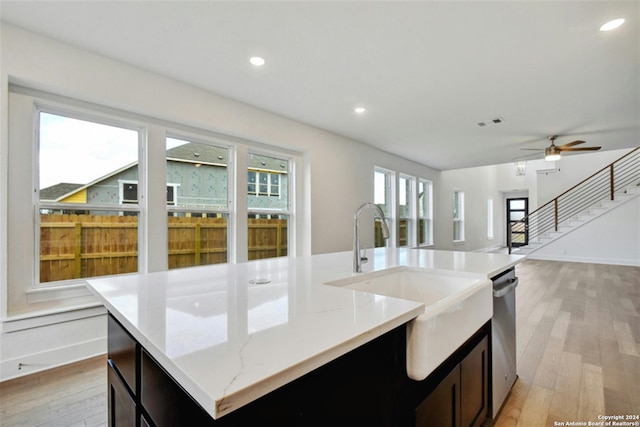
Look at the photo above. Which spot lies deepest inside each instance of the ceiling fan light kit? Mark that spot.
(552, 153)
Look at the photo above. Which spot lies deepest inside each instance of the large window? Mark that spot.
(111, 192)
(88, 197)
(425, 223)
(268, 201)
(458, 215)
(197, 181)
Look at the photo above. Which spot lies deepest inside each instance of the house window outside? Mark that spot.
(85, 215)
(268, 201)
(458, 216)
(263, 183)
(405, 211)
(198, 212)
(425, 223)
(129, 193)
(382, 189)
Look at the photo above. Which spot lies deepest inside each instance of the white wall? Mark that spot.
(613, 238)
(337, 178)
(478, 184)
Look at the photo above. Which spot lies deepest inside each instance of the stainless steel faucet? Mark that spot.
(357, 259)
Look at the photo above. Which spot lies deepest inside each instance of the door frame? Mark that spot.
(509, 222)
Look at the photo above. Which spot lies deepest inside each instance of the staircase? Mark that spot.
(610, 187)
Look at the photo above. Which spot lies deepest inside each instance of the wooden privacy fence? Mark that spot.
(74, 246)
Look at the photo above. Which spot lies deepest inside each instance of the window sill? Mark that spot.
(56, 293)
(51, 305)
(458, 242)
(49, 315)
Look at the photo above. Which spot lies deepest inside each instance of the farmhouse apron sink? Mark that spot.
(456, 306)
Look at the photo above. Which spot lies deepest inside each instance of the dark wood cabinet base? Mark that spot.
(367, 386)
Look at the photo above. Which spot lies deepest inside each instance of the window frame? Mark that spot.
(22, 183)
(191, 137)
(289, 211)
(390, 202)
(44, 105)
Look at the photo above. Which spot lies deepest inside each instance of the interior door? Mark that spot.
(517, 210)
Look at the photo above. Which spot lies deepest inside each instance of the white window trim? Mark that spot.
(25, 299)
(290, 210)
(63, 289)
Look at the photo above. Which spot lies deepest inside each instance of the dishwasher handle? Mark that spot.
(510, 285)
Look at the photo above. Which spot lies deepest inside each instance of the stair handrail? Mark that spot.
(555, 200)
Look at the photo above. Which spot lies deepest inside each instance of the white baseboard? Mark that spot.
(15, 368)
(625, 262)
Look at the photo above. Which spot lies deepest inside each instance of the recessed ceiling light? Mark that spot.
(360, 110)
(257, 61)
(612, 25)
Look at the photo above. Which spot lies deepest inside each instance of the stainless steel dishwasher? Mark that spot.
(503, 337)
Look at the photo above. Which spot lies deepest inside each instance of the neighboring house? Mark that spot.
(196, 178)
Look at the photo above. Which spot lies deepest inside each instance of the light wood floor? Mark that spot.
(578, 356)
(578, 335)
(74, 395)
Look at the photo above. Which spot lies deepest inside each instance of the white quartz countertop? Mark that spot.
(229, 339)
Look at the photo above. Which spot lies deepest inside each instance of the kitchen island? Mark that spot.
(231, 335)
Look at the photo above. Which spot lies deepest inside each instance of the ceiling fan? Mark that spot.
(554, 152)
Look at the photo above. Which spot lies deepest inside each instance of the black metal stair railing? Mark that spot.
(602, 185)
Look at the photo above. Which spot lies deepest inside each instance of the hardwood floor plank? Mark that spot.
(564, 404)
(536, 407)
(591, 400)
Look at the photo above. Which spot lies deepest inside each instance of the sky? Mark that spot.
(78, 151)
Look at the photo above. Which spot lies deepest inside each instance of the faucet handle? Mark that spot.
(363, 258)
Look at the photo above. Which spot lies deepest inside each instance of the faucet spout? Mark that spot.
(357, 259)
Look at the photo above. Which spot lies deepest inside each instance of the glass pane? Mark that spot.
(403, 232)
(458, 231)
(516, 216)
(404, 197)
(77, 243)
(516, 204)
(421, 199)
(381, 191)
(517, 238)
(197, 179)
(267, 236)
(251, 180)
(424, 232)
(197, 238)
(86, 162)
(198, 171)
(271, 174)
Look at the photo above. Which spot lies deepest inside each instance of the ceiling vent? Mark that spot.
(490, 122)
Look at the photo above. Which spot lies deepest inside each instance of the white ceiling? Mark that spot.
(426, 71)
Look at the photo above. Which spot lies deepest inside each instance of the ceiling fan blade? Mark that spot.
(580, 149)
(571, 144)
